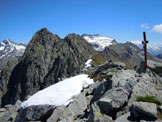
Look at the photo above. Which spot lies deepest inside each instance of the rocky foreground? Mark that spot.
(112, 98)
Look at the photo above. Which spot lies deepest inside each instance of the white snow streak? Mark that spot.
(88, 63)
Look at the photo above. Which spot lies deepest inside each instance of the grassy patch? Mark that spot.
(104, 77)
(101, 77)
(159, 114)
(98, 59)
(150, 99)
(128, 68)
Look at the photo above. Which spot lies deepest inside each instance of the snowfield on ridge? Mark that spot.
(99, 42)
(61, 93)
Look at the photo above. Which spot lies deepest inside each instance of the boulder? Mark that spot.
(155, 66)
(8, 116)
(8, 113)
(2, 110)
(113, 101)
(35, 113)
(148, 84)
(123, 118)
(107, 66)
(78, 106)
(125, 77)
(60, 113)
(96, 115)
(68, 114)
(105, 104)
(143, 110)
(99, 91)
(159, 108)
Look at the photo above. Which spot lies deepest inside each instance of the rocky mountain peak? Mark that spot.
(46, 60)
(43, 30)
(7, 41)
(43, 36)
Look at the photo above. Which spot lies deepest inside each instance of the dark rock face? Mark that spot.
(46, 60)
(35, 113)
(4, 77)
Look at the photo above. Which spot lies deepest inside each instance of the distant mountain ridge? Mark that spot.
(9, 50)
(159, 56)
(154, 48)
(99, 42)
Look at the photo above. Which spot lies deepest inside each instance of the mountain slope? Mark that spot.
(99, 42)
(159, 56)
(47, 59)
(127, 53)
(10, 51)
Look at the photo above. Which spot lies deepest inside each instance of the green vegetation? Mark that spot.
(98, 59)
(159, 114)
(98, 113)
(150, 99)
(101, 77)
(128, 68)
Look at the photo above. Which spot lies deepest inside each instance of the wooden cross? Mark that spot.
(145, 49)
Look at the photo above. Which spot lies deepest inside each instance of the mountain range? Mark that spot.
(10, 51)
(75, 78)
(108, 47)
(99, 42)
(154, 48)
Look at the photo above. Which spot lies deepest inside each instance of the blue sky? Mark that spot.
(124, 20)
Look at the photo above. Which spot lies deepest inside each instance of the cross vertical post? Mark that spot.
(145, 49)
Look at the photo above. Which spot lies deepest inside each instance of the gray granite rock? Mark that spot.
(123, 118)
(113, 100)
(35, 113)
(97, 116)
(159, 108)
(61, 113)
(143, 110)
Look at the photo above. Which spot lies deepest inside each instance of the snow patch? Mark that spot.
(61, 93)
(136, 42)
(7, 47)
(88, 63)
(99, 42)
(19, 47)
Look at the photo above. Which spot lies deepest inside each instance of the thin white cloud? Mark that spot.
(136, 42)
(146, 26)
(155, 45)
(157, 28)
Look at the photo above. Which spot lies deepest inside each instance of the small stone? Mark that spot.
(123, 118)
(159, 108)
(2, 109)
